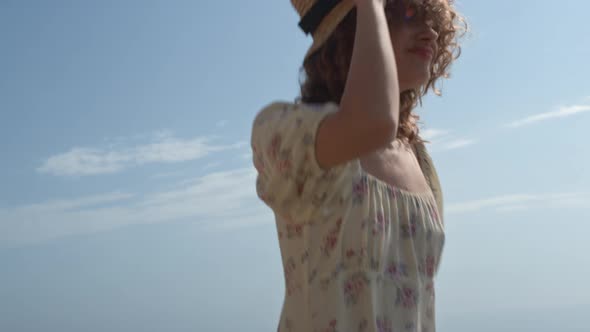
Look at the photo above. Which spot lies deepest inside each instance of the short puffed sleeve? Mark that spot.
(290, 180)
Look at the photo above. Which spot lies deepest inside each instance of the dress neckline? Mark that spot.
(427, 194)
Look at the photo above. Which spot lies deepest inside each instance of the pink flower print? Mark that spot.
(396, 270)
(379, 224)
(353, 287)
(289, 287)
(331, 326)
(289, 268)
(284, 164)
(360, 189)
(409, 229)
(304, 256)
(406, 296)
(363, 325)
(391, 193)
(383, 324)
(331, 239)
(292, 287)
(330, 243)
(350, 253)
(300, 185)
(294, 230)
(273, 148)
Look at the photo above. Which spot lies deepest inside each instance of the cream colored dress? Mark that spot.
(358, 254)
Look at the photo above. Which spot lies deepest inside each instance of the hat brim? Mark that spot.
(329, 24)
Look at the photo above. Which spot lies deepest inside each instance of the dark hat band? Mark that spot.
(310, 22)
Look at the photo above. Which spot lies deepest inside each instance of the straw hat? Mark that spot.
(320, 17)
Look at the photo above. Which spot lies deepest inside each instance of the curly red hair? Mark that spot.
(325, 71)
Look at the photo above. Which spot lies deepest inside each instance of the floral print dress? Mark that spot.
(359, 255)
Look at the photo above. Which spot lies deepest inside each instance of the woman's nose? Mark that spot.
(428, 32)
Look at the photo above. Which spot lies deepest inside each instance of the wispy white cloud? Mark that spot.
(561, 112)
(457, 143)
(166, 175)
(221, 123)
(220, 200)
(224, 199)
(513, 202)
(80, 161)
(77, 203)
(444, 140)
(512, 208)
(211, 165)
(431, 134)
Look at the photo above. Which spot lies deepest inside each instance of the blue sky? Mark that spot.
(128, 202)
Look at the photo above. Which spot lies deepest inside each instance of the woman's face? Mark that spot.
(414, 43)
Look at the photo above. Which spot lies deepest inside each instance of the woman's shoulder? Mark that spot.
(283, 106)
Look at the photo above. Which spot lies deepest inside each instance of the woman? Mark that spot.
(356, 198)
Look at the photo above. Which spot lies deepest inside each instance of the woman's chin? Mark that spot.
(415, 85)
(423, 80)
